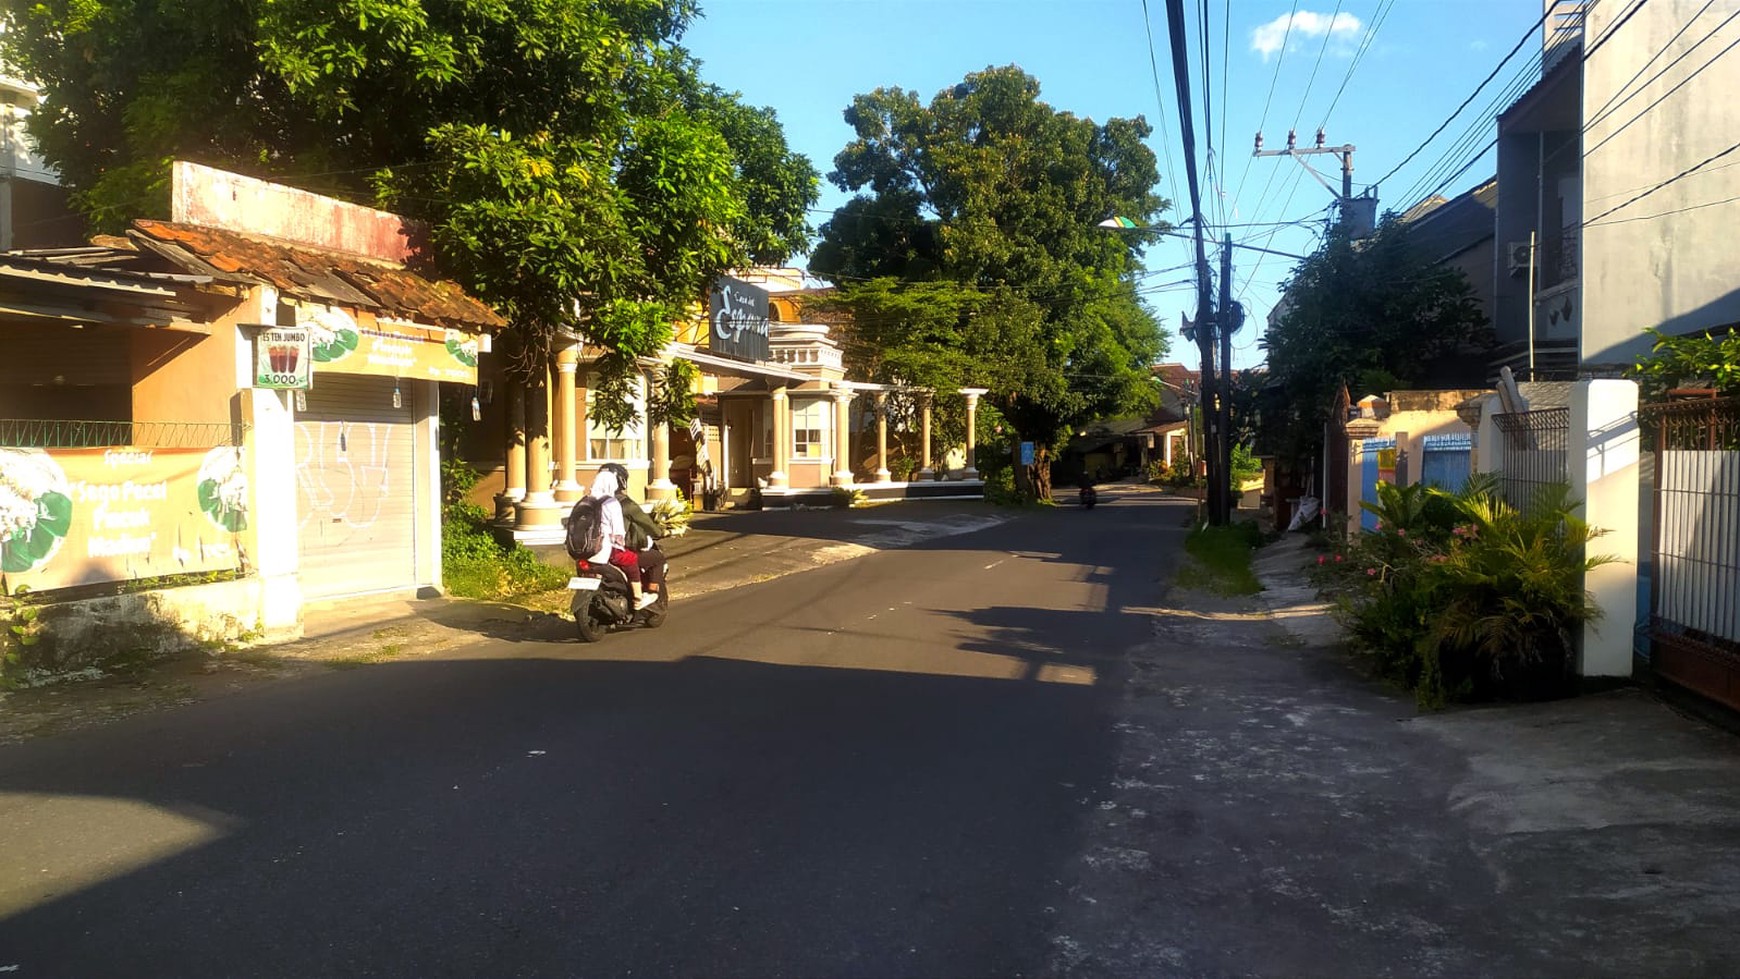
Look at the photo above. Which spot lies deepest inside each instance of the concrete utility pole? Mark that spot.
(1226, 321)
(1344, 153)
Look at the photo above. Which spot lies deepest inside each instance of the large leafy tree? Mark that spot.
(971, 256)
(1374, 314)
(572, 164)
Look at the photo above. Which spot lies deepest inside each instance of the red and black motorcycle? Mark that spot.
(603, 601)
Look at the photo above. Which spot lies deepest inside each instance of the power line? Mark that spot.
(1666, 95)
(1527, 36)
(1602, 112)
(1663, 214)
(1264, 120)
(1676, 177)
(1381, 14)
(1328, 35)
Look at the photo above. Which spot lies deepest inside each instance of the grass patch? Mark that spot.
(1221, 559)
(475, 565)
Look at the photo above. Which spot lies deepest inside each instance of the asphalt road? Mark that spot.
(873, 768)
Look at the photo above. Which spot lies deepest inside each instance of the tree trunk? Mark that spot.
(1031, 482)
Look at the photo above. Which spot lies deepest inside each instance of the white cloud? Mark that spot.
(1477, 45)
(1267, 39)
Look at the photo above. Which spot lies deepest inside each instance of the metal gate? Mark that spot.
(356, 487)
(1371, 470)
(1695, 583)
(1445, 460)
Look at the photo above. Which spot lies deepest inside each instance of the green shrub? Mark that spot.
(1464, 597)
(474, 564)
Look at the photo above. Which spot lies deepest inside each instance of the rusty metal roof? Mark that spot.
(315, 274)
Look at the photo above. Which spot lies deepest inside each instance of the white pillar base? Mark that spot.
(568, 491)
(661, 489)
(538, 509)
(925, 475)
(841, 477)
(884, 476)
(777, 480)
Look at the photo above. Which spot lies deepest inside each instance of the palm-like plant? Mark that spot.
(1511, 585)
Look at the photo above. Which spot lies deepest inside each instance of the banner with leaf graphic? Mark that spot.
(384, 354)
(83, 516)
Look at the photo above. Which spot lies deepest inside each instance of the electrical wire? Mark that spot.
(1527, 36)
(1381, 14)
(1264, 120)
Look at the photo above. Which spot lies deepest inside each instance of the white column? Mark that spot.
(781, 404)
(924, 469)
(1488, 449)
(660, 486)
(842, 475)
(276, 557)
(514, 434)
(972, 395)
(1605, 450)
(567, 431)
(882, 473)
(539, 509)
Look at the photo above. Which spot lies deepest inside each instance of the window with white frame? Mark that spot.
(809, 429)
(604, 443)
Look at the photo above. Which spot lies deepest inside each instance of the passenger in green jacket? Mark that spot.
(641, 532)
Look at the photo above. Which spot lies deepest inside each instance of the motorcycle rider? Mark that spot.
(615, 529)
(640, 530)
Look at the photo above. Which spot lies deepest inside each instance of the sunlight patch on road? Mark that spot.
(81, 841)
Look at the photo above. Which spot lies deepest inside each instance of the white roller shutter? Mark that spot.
(356, 458)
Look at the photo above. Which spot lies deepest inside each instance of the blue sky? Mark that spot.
(807, 58)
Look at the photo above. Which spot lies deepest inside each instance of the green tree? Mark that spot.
(572, 164)
(1693, 360)
(1372, 314)
(970, 255)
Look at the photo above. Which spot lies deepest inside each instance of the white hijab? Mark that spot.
(609, 513)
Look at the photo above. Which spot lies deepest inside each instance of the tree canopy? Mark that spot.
(1372, 314)
(570, 159)
(971, 256)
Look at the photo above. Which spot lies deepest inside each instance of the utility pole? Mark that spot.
(1226, 322)
(1344, 153)
(1204, 302)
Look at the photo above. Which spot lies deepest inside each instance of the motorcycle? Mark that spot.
(1089, 496)
(604, 602)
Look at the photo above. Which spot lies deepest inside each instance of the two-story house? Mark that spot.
(1615, 200)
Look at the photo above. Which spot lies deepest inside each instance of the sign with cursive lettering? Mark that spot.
(737, 313)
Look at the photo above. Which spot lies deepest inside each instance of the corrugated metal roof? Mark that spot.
(315, 274)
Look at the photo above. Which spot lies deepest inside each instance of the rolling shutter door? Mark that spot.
(355, 487)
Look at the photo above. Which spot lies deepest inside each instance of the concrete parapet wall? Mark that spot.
(147, 624)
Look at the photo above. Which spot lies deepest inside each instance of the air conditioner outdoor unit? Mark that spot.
(1519, 256)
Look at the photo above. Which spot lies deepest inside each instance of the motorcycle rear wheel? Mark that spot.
(585, 623)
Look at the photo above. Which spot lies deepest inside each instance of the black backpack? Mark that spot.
(585, 529)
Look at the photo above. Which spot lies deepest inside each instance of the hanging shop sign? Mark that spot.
(283, 358)
(84, 516)
(340, 345)
(737, 312)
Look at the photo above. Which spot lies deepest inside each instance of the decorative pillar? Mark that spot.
(781, 438)
(515, 435)
(972, 395)
(539, 509)
(660, 487)
(882, 473)
(842, 475)
(924, 470)
(567, 431)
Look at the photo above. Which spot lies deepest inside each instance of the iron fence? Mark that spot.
(1534, 452)
(1695, 585)
(26, 433)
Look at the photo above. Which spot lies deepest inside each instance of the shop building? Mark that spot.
(247, 390)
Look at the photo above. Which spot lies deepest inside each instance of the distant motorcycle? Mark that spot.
(603, 601)
(1089, 496)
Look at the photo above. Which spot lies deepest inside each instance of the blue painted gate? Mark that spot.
(1447, 460)
(1368, 477)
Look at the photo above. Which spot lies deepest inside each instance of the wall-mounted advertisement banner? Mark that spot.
(84, 516)
(283, 358)
(339, 345)
(738, 314)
